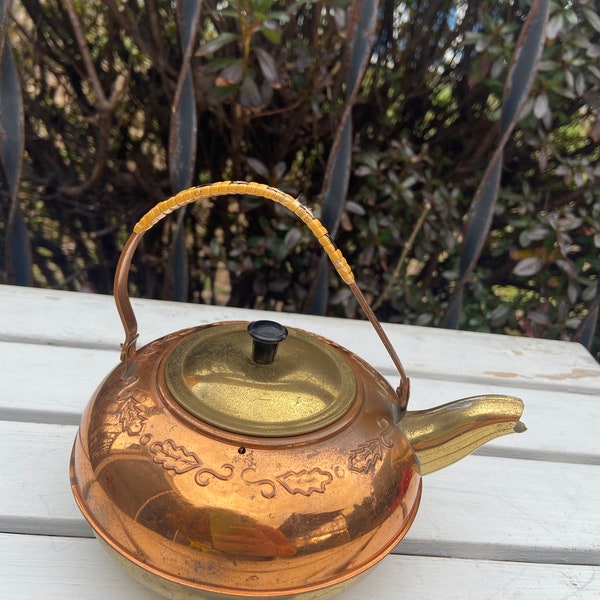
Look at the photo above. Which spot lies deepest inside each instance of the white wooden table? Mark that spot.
(518, 519)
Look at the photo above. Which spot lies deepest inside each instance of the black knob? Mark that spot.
(266, 336)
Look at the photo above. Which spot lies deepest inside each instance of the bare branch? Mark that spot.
(101, 101)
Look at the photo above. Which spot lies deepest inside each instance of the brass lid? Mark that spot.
(212, 374)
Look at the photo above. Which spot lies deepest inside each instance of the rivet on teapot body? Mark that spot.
(266, 336)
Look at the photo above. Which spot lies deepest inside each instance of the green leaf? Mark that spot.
(528, 266)
(592, 18)
(277, 15)
(262, 5)
(555, 26)
(228, 12)
(541, 106)
(232, 74)
(250, 94)
(218, 64)
(219, 42)
(267, 64)
(258, 166)
(272, 35)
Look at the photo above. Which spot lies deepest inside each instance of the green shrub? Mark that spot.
(114, 125)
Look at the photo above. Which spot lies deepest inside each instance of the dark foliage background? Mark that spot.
(382, 116)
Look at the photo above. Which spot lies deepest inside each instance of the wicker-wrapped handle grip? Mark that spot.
(228, 188)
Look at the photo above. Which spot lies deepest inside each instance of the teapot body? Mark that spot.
(196, 507)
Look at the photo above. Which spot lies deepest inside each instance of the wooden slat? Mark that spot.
(481, 507)
(562, 425)
(507, 509)
(50, 383)
(35, 458)
(72, 569)
(432, 353)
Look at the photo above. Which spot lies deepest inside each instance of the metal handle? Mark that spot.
(228, 188)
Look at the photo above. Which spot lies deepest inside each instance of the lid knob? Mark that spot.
(266, 336)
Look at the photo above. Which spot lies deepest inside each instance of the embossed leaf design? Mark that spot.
(363, 459)
(305, 482)
(132, 416)
(174, 458)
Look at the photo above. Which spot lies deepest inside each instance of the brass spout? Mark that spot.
(440, 436)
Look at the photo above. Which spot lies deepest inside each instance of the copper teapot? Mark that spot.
(252, 460)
